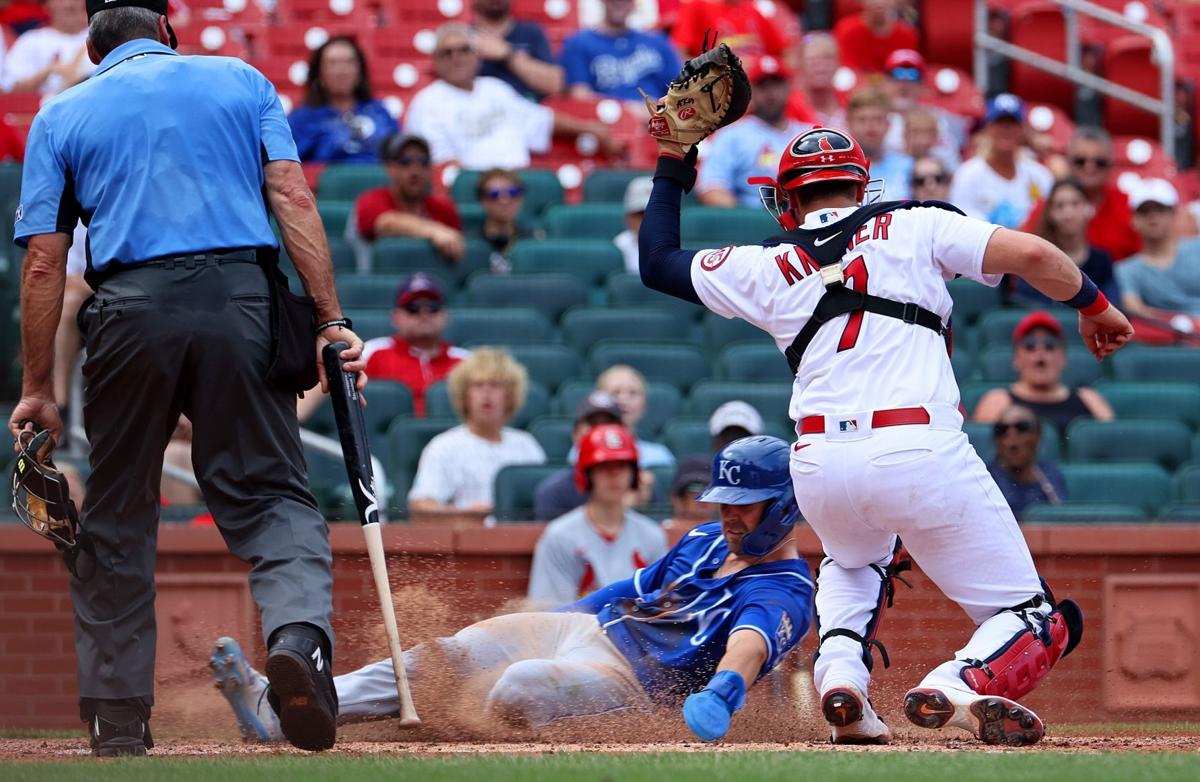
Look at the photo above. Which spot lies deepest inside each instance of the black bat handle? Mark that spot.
(352, 432)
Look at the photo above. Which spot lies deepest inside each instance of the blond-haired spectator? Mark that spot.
(457, 467)
(628, 387)
(820, 61)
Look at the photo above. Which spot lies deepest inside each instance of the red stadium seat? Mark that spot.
(1143, 157)
(292, 39)
(205, 37)
(1127, 61)
(357, 12)
(1039, 27)
(953, 89)
(946, 36)
(1054, 122)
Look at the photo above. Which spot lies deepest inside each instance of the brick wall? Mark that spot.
(1139, 587)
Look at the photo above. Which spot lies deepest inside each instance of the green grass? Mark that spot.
(665, 767)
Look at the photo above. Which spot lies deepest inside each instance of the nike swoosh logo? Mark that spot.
(827, 239)
(798, 446)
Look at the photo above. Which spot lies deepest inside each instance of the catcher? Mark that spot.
(705, 622)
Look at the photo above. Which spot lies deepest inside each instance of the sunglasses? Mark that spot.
(447, 53)
(931, 179)
(1023, 427)
(1045, 343)
(1098, 162)
(412, 160)
(425, 306)
(512, 191)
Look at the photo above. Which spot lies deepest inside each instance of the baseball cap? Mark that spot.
(1005, 106)
(692, 476)
(1153, 191)
(637, 194)
(1037, 319)
(905, 65)
(767, 67)
(598, 402)
(396, 143)
(157, 6)
(735, 413)
(417, 286)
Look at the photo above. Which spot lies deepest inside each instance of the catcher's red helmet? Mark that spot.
(817, 155)
(602, 444)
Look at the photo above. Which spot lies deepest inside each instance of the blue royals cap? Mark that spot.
(1004, 106)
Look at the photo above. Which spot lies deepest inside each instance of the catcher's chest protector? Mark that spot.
(818, 244)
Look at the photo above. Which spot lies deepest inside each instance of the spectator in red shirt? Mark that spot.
(407, 206)
(12, 145)
(866, 39)
(739, 23)
(416, 355)
(1090, 161)
(819, 98)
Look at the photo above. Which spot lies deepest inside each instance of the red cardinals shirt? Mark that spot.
(741, 25)
(1111, 228)
(862, 50)
(391, 358)
(372, 204)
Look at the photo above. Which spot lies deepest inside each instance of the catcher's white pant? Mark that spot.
(859, 489)
(533, 668)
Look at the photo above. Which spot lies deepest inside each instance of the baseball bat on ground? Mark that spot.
(352, 431)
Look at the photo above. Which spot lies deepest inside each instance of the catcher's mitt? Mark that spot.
(710, 92)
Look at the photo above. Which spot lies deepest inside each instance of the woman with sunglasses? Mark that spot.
(1039, 356)
(502, 195)
(1023, 480)
(930, 180)
(1064, 223)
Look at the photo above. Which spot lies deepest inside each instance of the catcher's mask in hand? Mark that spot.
(42, 500)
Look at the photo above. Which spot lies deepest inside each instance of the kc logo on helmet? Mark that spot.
(730, 473)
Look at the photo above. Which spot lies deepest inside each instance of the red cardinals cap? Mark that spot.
(417, 286)
(602, 444)
(905, 61)
(767, 67)
(1036, 320)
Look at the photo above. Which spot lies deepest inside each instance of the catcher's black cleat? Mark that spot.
(302, 691)
(119, 727)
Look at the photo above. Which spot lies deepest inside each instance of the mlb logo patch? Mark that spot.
(849, 425)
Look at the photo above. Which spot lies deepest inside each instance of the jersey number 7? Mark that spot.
(855, 272)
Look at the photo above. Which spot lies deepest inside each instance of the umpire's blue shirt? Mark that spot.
(158, 154)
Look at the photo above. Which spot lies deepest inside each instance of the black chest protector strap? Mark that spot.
(838, 299)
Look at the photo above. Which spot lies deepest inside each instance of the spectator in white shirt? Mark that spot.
(1002, 184)
(480, 122)
(458, 467)
(50, 59)
(637, 195)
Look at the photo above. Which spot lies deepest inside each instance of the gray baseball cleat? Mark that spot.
(852, 718)
(246, 691)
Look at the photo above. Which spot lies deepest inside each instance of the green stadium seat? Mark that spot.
(505, 326)
(755, 363)
(542, 190)
(346, 182)
(549, 364)
(551, 293)
(407, 437)
(971, 301)
(704, 226)
(996, 327)
(537, 403)
(687, 437)
(663, 402)
(370, 324)
(1167, 443)
(1180, 511)
(591, 260)
(341, 254)
(369, 291)
(721, 332)
(769, 399)
(1186, 483)
(1082, 369)
(514, 487)
(553, 433)
(609, 184)
(1166, 364)
(334, 215)
(680, 365)
(397, 256)
(472, 218)
(984, 444)
(1082, 512)
(626, 290)
(585, 221)
(971, 392)
(326, 478)
(1176, 401)
(964, 364)
(1144, 484)
(387, 400)
(583, 327)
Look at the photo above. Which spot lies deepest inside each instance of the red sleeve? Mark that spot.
(444, 211)
(904, 36)
(1035, 214)
(848, 34)
(369, 207)
(775, 43)
(686, 34)
(799, 110)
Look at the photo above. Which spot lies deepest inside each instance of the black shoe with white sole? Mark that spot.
(118, 727)
(302, 691)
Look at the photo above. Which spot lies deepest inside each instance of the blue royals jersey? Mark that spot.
(673, 619)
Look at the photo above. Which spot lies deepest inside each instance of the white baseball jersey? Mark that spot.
(860, 361)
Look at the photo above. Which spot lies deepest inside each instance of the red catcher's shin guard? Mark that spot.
(1014, 670)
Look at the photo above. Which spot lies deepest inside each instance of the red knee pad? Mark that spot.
(1016, 668)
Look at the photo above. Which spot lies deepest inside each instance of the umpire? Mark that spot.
(175, 165)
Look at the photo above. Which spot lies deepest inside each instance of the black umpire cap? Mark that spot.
(157, 6)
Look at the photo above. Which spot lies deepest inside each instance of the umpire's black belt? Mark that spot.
(196, 260)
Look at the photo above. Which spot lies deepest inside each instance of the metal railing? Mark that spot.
(1164, 55)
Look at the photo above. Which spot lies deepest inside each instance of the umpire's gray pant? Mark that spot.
(161, 342)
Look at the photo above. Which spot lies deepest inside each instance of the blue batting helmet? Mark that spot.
(750, 470)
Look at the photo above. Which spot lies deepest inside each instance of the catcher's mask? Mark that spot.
(42, 499)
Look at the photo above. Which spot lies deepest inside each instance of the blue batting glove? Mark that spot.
(707, 713)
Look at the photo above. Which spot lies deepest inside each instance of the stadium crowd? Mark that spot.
(506, 325)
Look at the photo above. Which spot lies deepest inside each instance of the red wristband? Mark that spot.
(1096, 307)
